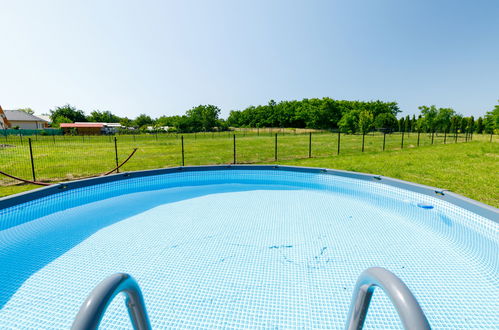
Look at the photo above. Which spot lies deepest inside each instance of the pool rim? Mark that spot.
(466, 203)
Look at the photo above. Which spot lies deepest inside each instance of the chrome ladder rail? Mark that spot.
(94, 307)
(410, 313)
(405, 303)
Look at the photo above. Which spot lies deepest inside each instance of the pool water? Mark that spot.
(245, 249)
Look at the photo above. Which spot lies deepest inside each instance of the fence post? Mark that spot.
(339, 137)
(234, 148)
(419, 133)
(384, 140)
(275, 148)
(402, 142)
(455, 136)
(363, 136)
(182, 141)
(491, 137)
(116, 154)
(445, 137)
(32, 161)
(432, 135)
(310, 145)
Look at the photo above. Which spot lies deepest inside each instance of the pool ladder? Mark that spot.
(410, 313)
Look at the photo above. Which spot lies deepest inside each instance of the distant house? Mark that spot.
(24, 120)
(85, 128)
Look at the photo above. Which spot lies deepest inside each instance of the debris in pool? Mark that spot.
(280, 246)
(425, 206)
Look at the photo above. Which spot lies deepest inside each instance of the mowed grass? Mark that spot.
(470, 169)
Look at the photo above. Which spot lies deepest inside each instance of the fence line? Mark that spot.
(59, 158)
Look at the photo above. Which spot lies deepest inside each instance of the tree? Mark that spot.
(454, 123)
(27, 110)
(470, 124)
(386, 122)
(463, 124)
(480, 125)
(429, 115)
(203, 117)
(491, 120)
(443, 119)
(56, 122)
(142, 120)
(126, 122)
(69, 112)
(402, 124)
(103, 117)
(407, 127)
(413, 123)
(348, 123)
(366, 121)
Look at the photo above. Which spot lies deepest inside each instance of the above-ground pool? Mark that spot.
(246, 247)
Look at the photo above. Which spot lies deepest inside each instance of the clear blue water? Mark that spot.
(245, 249)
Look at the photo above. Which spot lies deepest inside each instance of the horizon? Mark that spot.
(163, 58)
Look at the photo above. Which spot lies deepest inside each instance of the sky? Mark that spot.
(165, 57)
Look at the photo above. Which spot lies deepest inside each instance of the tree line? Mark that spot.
(359, 117)
(197, 119)
(326, 113)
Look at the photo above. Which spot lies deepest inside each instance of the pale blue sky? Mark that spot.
(164, 57)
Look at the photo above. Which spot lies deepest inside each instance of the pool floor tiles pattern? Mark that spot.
(289, 260)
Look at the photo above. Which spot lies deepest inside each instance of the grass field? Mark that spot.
(470, 168)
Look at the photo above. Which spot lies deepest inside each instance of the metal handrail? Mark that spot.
(94, 307)
(405, 303)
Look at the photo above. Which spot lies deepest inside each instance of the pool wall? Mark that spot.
(471, 205)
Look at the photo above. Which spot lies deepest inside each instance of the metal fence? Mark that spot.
(59, 158)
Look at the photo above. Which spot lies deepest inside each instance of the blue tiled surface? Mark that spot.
(245, 249)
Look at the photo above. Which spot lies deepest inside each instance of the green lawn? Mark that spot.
(468, 168)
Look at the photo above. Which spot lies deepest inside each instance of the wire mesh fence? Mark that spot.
(62, 157)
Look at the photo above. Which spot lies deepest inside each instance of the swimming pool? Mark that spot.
(246, 247)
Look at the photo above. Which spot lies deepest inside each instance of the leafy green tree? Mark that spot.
(429, 115)
(413, 123)
(366, 121)
(491, 120)
(167, 121)
(442, 121)
(349, 122)
(103, 117)
(463, 124)
(407, 127)
(480, 125)
(470, 124)
(27, 110)
(203, 117)
(57, 121)
(455, 123)
(386, 122)
(126, 122)
(143, 120)
(402, 124)
(69, 112)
